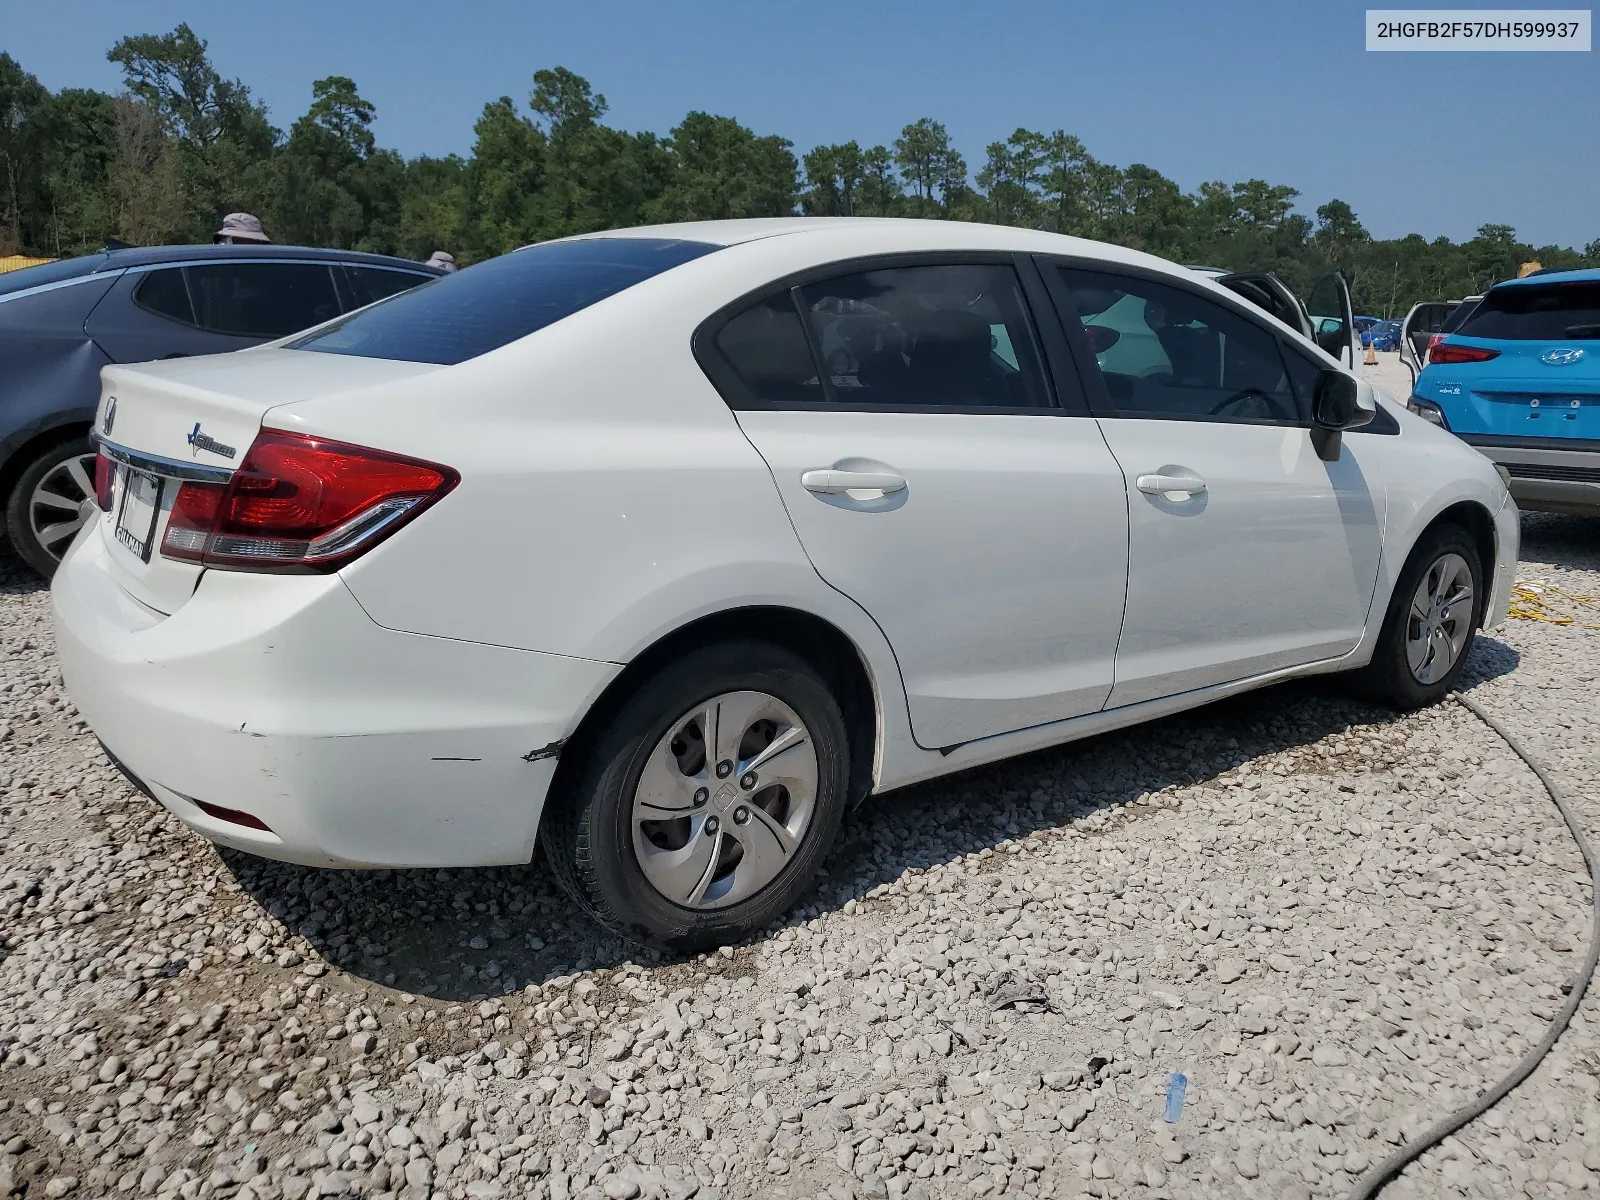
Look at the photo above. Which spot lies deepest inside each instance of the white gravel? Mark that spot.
(1337, 924)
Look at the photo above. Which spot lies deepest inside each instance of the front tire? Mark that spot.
(42, 514)
(706, 804)
(1431, 623)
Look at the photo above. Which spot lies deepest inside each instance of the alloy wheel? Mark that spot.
(55, 508)
(725, 799)
(1440, 620)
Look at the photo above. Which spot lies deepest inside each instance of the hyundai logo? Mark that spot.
(1563, 356)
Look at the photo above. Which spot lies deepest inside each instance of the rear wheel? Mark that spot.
(1431, 623)
(702, 810)
(43, 512)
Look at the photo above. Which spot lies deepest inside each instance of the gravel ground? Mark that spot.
(1337, 924)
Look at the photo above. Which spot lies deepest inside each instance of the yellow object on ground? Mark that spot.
(1537, 602)
(15, 262)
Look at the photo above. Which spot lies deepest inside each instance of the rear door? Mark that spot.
(210, 307)
(1268, 293)
(1247, 553)
(932, 477)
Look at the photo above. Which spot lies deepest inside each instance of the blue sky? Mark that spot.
(1428, 143)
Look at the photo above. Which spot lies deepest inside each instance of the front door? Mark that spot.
(1247, 552)
(932, 478)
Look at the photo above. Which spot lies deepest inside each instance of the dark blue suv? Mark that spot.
(63, 321)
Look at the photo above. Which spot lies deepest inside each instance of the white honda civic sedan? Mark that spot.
(661, 548)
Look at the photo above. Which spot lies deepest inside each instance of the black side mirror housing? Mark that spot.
(1337, 404)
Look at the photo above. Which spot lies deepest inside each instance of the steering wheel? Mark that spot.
(1253, 403)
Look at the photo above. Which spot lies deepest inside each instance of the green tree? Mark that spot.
(722, 170)
(931, 165)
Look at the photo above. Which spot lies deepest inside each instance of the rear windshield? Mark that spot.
(54, 272)
(1545, 312)
(484, 307)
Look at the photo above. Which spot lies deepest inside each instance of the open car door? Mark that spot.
(1266, 291)
(1332, 318)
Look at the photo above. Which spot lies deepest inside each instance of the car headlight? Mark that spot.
(1428, 411)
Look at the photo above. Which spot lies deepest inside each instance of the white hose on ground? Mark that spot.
(1374, 1180)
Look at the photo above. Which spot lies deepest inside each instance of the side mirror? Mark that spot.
(1339, 402)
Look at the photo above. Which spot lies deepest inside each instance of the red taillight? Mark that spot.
(105, 471)
(298, 503)
(1441, 351)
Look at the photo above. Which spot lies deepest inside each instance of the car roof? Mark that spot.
(927, 235)
(140, 256)
(1577, 275)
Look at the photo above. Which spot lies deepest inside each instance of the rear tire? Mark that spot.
(682, 840)
(1431, 624)
(41, 517)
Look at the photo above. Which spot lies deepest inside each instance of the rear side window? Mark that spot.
(165, 294)
(1545, 312)
(489, 305)
(766, 346)
(261, 299)
(371, 284)
(1459, 314)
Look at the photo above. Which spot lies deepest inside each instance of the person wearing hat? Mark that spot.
(241, 229)
(442, 259)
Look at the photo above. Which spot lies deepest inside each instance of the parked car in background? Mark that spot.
(660, 548)
(1324, 315)
(1385, 336)
(1520, 380)
(62, 321)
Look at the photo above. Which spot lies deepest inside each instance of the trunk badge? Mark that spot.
(1563, 356)
(111, 416)
(201, 442)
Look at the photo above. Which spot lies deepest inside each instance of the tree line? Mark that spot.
(181, 146)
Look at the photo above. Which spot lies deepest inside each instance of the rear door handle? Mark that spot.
(1167, 485)
(835, 482)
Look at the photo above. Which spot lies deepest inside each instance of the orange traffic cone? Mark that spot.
(1371, 359)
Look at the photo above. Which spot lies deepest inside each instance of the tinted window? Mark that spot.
(948, 336)
(261, 299)
(54, 272)
(484, 307)
(370, 284)
(1545, 312)
(766, 346)
(165, 294)
(1167, 352)
(1459, 314)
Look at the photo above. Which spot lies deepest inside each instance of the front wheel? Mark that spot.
(703, 809)
(44, 510)
(1431, 622)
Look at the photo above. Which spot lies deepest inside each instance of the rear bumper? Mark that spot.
(277, 696)
(1547, 476)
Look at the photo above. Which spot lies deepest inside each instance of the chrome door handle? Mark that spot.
(1166, 485)
(834, 482)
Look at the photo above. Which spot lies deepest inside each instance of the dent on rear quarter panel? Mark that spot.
(49, 368)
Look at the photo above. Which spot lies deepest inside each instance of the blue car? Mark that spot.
(1385, 335)
(1520, 380)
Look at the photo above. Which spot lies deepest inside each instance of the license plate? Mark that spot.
(141, 505)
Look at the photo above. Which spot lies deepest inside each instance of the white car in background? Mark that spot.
(662, 547)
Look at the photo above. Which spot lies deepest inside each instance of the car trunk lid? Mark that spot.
(194, 419)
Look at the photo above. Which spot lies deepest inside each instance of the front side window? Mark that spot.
(368, 285)
(261, 299)
(1537, 312)
(489, 305)
(1165, 352)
